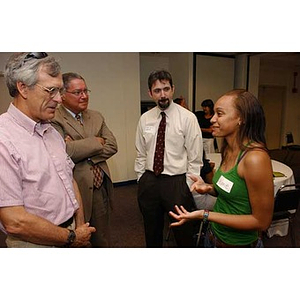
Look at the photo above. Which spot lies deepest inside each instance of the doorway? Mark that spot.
(272, 99)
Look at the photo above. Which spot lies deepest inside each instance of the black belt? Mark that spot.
(67, 223)
(165, 175)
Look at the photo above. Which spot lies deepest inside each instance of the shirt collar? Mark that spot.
(71, 113)
(166, 111)
(27, 123)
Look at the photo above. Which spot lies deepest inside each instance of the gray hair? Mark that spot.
(20, 69)
(68, 77)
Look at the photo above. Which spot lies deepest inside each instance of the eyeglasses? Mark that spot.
(52, 91)
(79, 92)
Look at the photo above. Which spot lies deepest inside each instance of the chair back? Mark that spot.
(287, 197)
(289, 138)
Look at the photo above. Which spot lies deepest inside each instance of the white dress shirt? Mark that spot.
(183, 141)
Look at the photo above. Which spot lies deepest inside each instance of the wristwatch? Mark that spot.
(205, 216)
(71, 238)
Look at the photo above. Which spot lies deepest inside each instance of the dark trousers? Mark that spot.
(100, 218)
(157, 195)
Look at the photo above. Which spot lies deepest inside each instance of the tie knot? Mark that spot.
(78, 118)
(163, 114)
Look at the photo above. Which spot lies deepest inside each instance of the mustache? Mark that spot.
(163, 103)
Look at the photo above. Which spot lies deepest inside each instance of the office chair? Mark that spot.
(289, 138)
(286, 204)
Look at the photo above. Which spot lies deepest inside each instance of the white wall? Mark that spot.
(214, 77)
(114, 79)
(181, 68)
(148, 63)
(254, 75)
(240, 71)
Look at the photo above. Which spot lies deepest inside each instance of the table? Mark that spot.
(277, 227)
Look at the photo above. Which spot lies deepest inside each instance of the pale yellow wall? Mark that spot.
(214, 77)
(4, 95)
(181, 68)
(5, 99)
(148, 63)
(179, 64)
(254, 75)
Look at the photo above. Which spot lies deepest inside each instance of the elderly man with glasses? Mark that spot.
(40, 204)
(89, 143)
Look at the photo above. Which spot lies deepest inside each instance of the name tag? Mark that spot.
(149, 129)
(225, 184)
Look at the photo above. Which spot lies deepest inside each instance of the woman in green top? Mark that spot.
(244, 182)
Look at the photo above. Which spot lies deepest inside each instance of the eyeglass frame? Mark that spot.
(61, 91)
(79, 93)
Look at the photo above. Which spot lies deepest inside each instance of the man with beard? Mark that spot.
(169, 147)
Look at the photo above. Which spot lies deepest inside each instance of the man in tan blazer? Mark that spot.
(89, 143)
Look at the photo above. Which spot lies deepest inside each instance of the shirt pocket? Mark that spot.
(149, 135)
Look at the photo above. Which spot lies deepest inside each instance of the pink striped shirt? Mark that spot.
(35, 171)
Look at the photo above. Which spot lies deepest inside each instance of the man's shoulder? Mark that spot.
(92, 113)
(185, 112)
(149, 113)
(7, 124)
(60, 112)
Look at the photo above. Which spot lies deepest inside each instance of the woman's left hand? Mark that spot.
(183, 215)
(199, 185)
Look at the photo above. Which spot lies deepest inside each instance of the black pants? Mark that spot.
(157, 195)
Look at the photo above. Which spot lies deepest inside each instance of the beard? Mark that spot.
(163, 103)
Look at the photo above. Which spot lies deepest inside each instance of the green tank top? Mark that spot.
(233, 199)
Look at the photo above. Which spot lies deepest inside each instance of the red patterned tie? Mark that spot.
(158, 165)
(98, 176)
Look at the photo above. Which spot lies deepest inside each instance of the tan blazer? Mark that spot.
(85, 147)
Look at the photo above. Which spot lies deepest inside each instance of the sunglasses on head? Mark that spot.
(35, 55)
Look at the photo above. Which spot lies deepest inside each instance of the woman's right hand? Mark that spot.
(182, 215)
